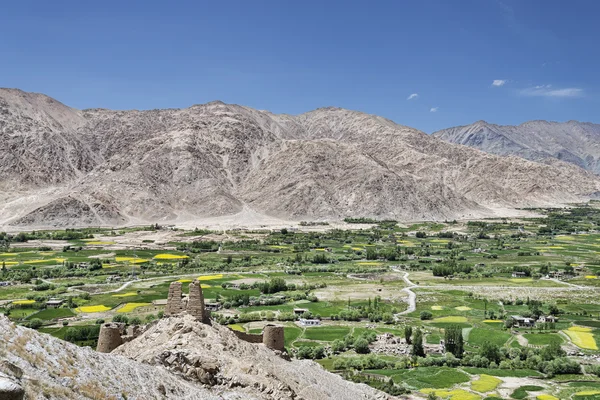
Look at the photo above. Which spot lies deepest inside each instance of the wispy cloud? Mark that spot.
(433, 109)
(413, 96)
(499, 82)
(549, 91)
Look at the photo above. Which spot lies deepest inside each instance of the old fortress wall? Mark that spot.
(113, 334)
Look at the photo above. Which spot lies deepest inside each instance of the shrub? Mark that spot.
(426, 315)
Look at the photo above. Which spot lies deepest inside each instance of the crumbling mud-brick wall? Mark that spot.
(273, 337)
(110, 337)
(195, 304)
(248, 337)
(174, 301)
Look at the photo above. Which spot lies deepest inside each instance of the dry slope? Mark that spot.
(178, 358)
(573, 142)
(216, 159)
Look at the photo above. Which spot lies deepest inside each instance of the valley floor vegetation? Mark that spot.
(503, 308)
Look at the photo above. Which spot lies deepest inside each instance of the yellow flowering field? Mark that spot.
(368, 263)
(36, 261)
(588, 393)
(92, 309)
(184, 280)
(210, 277)
(456, 394)
(128, 294)
(167, 256)
(451, 319)
(493, 321)
(582, 337)
(546, 397)
(131, 260)
(129, 307)
(485, 383)
(7, 263)
(462, 308)
(591, 277)
(437, 308)
(236, 327)
(23, 302)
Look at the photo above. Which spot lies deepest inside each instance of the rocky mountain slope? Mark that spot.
(214, 160)
(178, 358)
(573, 142)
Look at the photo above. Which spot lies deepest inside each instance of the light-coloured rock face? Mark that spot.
(213, 355)
(217, 159)
(176, 358)
(573, 142)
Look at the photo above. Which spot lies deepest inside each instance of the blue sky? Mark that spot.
(295, 56)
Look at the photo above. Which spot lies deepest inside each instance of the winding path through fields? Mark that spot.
(412, 296)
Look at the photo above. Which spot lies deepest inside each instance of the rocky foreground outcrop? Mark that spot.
(176, 358)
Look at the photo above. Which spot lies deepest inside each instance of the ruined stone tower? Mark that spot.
(195, 304)
(174, 302)
(273, 337)
(110, 337)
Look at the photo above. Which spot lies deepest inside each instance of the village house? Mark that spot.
(547, 318)
(216, 306)
(309, 322)
(54, 303)
(5, 283)
(300, 311)
(113, 278)
(523, 322)
(518, 274)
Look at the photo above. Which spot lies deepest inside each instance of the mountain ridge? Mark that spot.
(572, 141)
(217, 160)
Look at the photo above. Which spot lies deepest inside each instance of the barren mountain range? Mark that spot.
(61, 166)
(574, 142)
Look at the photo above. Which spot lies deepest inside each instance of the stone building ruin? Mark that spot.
(114, 334)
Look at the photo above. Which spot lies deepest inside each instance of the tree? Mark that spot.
(338, 346)
(426, 315)
(35, 323)
(553, 309)
(421, 235)
(135, 321)
(417, 345)
(454, 341)
(361, 346)
(490, 351)
(408, 331)
(121, 318)
(304, 352)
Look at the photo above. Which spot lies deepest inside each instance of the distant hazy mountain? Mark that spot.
(574, 142)
(63, 167)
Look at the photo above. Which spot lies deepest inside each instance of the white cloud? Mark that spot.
(499, 82)
(413, 96)
(434, 109)
(548, 91)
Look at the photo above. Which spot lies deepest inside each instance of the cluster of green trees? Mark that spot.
(83, 333)
(386, 385)
(450, 267)
(360, 344)
(198, 246)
